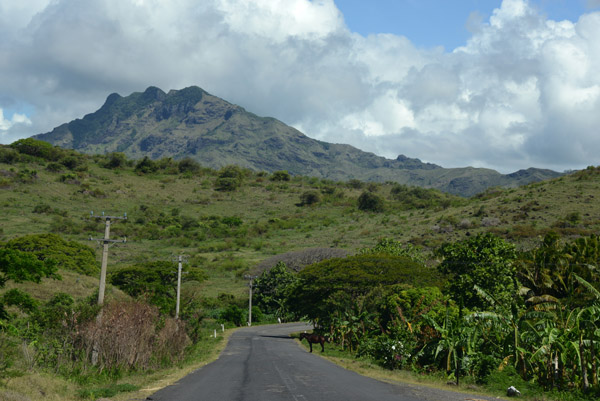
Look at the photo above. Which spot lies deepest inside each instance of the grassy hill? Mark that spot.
(229, 233)
(227, 230)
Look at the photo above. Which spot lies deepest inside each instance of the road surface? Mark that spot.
(263, 363)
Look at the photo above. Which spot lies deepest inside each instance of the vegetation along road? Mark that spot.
(264, 363)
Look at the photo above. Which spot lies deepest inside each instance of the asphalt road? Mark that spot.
(263, 363)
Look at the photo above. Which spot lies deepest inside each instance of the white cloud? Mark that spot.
(16, 122)
(521, 92)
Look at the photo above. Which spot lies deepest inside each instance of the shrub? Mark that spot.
(37, 148)
(309, 198)
(8, 155)
(116, 160)
(229, 178)
(368, 201)
(73, 162)
(146, 166)
(188, 165)
(233, 314)
(26, 176)
(54, 167)
(127, 337)
(281, 175)
(42, 208)
(356, 184)
(69, 255)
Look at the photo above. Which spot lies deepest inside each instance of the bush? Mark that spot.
(368, 201)
(229, 178)
(116, 160)
(37, 148)
(385, 351)
(233, 314)
(42, 208)
(26, 176)
(54, 167)
(356, 184)
(146, 166)
(309, 198)
(8, 155)
(188, 165)
(281, 175)
(127, 337)
(69, 255)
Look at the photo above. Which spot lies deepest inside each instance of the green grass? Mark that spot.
(272, 224)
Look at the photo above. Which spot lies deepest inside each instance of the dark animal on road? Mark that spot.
(313, 339)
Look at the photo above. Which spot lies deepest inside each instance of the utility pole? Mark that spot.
(105, 241)
(251, 278)
(179, 265)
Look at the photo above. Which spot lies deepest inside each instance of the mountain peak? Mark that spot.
(190, 122)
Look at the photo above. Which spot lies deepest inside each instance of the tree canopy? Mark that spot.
(155, 280)
(68, 255)
(485, 261)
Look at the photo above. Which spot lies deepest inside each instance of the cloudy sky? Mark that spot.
(488, 83)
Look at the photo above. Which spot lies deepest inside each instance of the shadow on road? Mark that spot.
(281, 336)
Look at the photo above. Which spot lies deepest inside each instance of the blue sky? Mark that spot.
(502, 84)
(430, 23)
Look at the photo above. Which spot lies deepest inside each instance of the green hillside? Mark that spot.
(230, 232)
(231, 222)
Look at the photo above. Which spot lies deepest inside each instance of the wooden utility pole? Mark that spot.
(251, 278)
(105, 241)
(179, 266)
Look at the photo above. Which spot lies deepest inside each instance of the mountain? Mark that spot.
(193, 123)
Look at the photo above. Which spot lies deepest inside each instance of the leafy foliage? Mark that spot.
(485, 261)
(155, 280)
(146, 166)
(337, 281)
(271, 288)
(68, 255)
(37, 148)
(229, 178)
(309, 198)
(22, 266)
(395, 248)
(371, 202)
(280, 175)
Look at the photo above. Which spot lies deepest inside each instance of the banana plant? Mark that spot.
(454, 334)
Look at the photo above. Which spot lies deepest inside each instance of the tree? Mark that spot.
(188, 165)
(368, 201)
(37, 148)
(155, 280)
(281, 175)
(396, 248)
(271, 288)
(485, 261)
(22, 266)
(68, 255)
(334, 284)
(309, 198)
(229, 178)
(116, 160)
(146, 166)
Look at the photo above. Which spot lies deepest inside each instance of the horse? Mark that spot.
(313, 339)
